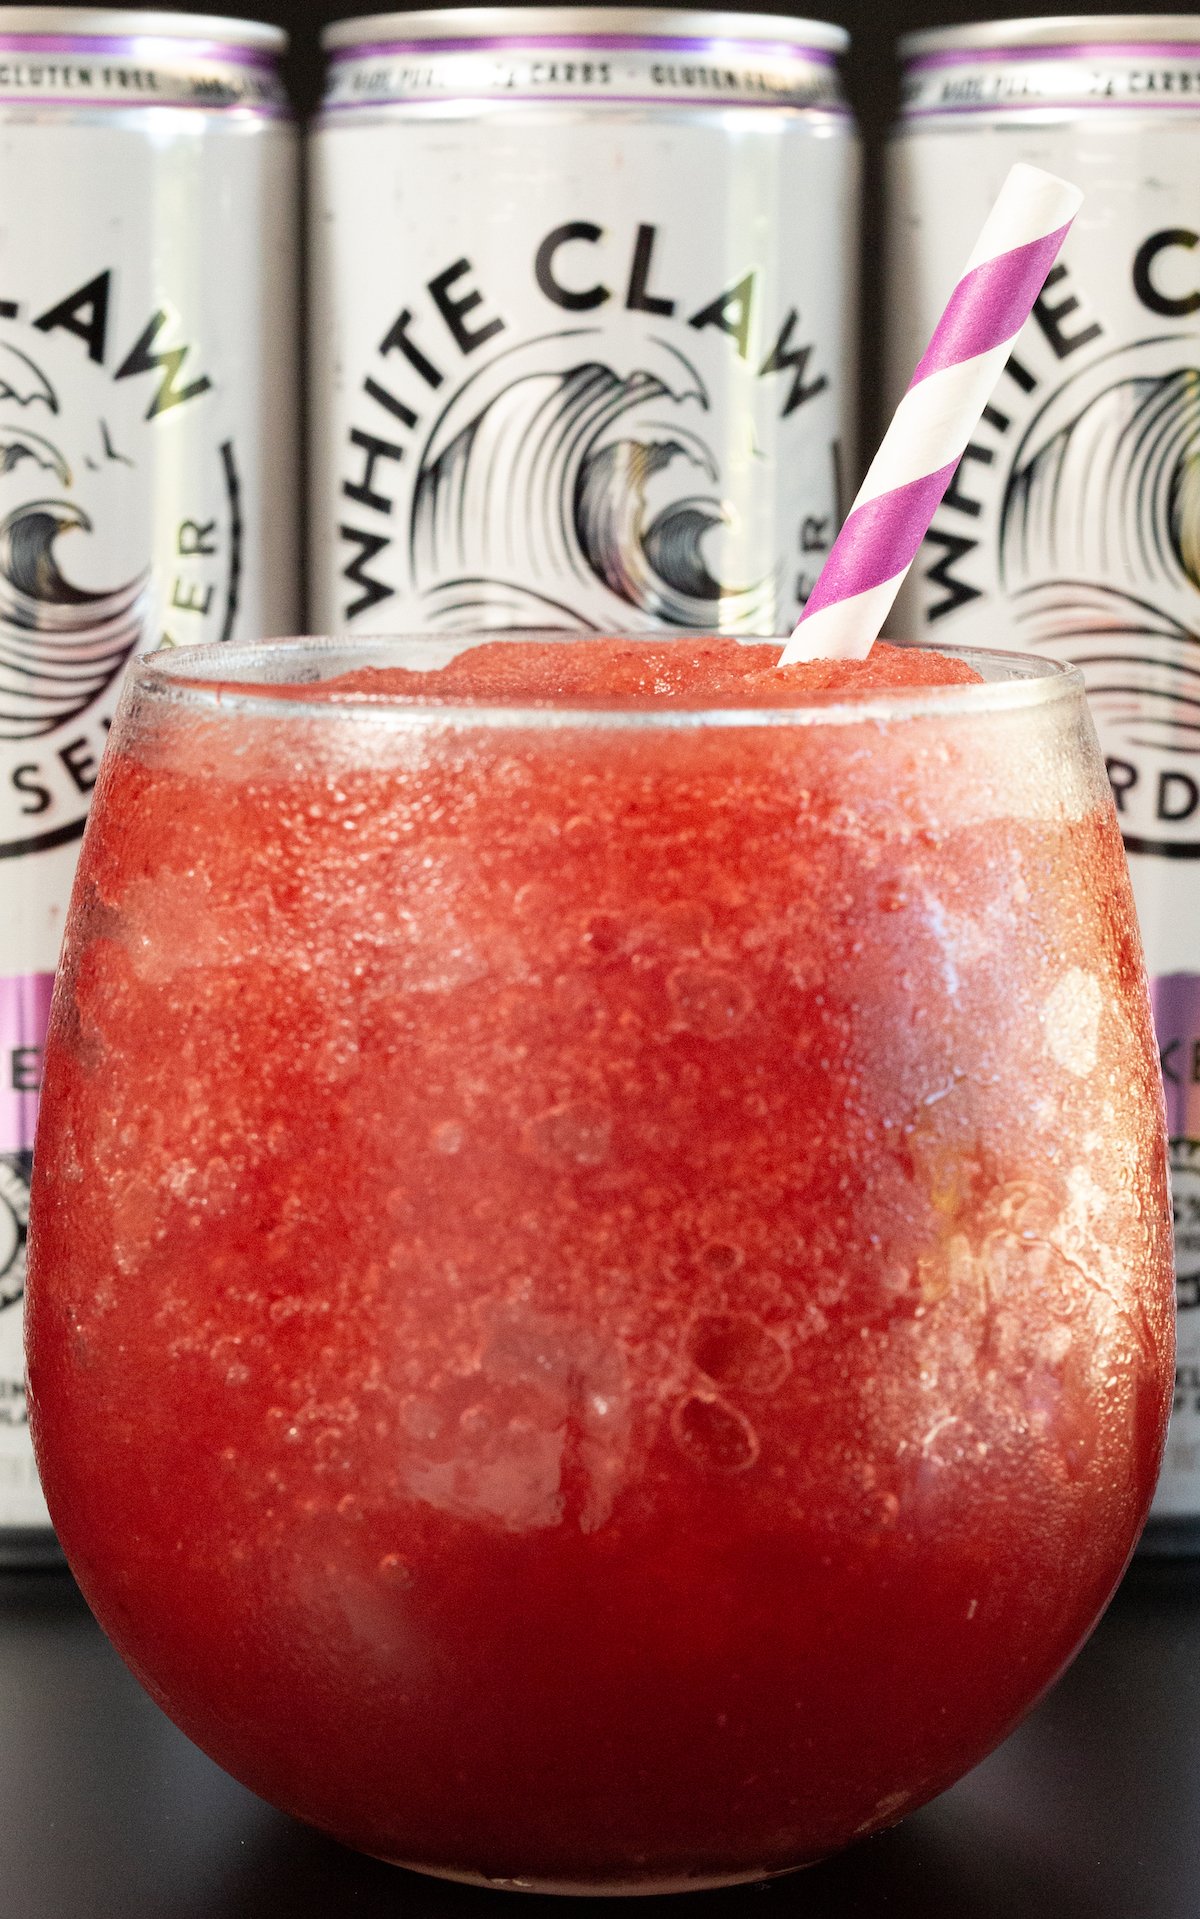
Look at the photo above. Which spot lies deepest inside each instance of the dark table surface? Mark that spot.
(1090, 1811)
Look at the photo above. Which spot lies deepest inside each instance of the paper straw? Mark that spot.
(933, 422)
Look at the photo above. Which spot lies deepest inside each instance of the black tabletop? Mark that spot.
(1090, 1811)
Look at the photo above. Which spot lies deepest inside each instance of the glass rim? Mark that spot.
(205, 678)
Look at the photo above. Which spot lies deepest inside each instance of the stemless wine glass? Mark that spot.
(600, 1301)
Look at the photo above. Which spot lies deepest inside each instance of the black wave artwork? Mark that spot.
(60, 644)
(1100, 540)
(554, 490)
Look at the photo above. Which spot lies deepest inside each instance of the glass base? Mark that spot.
(632, 1887)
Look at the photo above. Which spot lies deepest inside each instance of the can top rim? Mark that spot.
(120, 23)
(1067, 30)
(634, 23)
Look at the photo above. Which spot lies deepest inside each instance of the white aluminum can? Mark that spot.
(1073, 524)
(583, 284)
(147, 482)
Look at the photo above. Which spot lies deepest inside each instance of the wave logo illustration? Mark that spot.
(1100, 544)
(61, 644)
(554, 490)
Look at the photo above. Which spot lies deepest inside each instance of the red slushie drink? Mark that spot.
(600, 1306)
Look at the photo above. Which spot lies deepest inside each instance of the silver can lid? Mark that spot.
(112, 23)
(619, 23)
(1069, 30)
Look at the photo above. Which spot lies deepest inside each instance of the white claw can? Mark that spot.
(147, 472)
(583, 286)
(1072, 526)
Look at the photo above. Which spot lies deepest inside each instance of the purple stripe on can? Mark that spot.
(583, 43)
(24, 1011)
(1175, 998)
(879, 540)
(989, 305)
(1061, 50)
(597, 97)
(1052, 102)
(142, 47)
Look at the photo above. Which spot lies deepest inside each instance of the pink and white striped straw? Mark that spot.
(933, 422)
